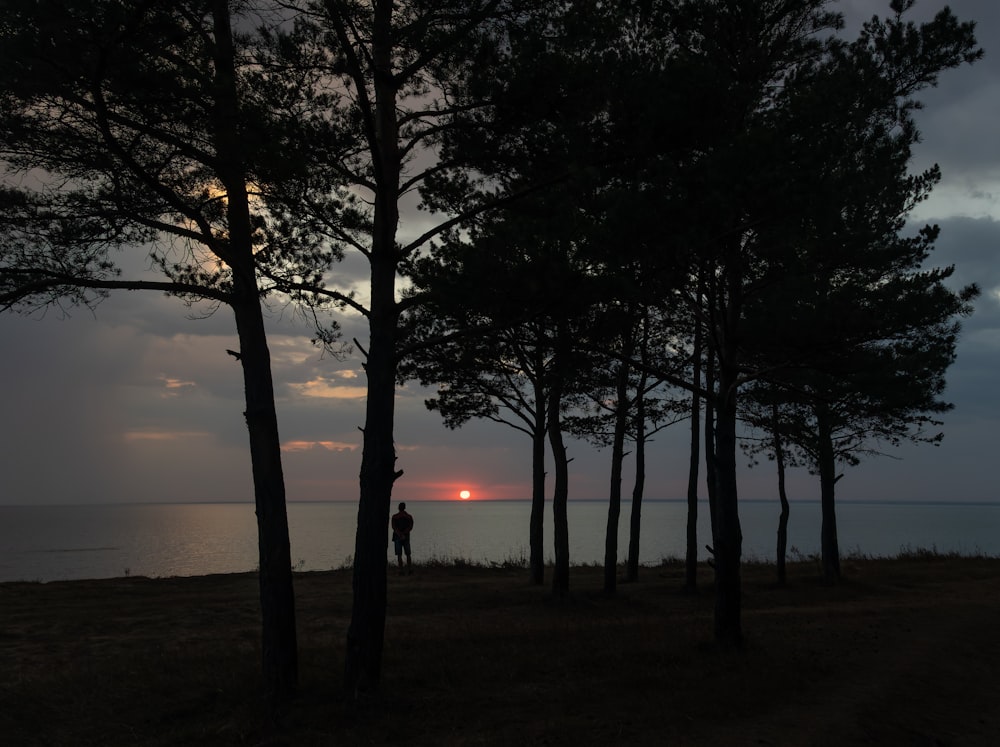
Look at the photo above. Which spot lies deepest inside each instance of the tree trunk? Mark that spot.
(710, 469)
(691, 554)
(277, 599)
(560, 493)
(366, 633)
(536, 533)
(635, 524)
(727, 534)
(827, 482)
(728, 537)
(779, 458)
(617, 457)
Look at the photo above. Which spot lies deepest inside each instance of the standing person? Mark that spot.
(402, 524)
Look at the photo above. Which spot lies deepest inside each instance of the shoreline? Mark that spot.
(794, 558)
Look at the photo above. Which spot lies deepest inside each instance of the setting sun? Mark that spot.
(465, 495)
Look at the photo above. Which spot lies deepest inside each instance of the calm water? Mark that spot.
(46, 543)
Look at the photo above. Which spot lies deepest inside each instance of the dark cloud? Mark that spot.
(972, 247)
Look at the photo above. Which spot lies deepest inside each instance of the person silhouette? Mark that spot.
(402, 524)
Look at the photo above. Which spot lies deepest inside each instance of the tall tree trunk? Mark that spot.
(710, 469)
(536, 533)
(617, 457)
(779, 458)
(691, 554)
(277, 598)
(635, 524)
(727, 534)
(366, 633)
(560, 492)
(279, 646)
(829, 545)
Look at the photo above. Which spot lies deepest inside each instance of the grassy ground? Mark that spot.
(904, 651)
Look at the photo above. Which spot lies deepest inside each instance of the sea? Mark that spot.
(53, 543)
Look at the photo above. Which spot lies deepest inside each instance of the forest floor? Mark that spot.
(903, 652)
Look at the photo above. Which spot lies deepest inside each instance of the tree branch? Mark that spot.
(51, 280)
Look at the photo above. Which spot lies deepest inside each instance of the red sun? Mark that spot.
(465, 495)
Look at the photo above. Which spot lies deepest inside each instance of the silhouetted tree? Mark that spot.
(779, 462)
(506, 299)
(691, 529)
(502, 374)
(150, 129)
(393, 72)
(801, 171)
(882, 394)
(541, 148)
(848, 302)
(617, 405)
(762, 409)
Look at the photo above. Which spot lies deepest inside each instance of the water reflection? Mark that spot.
(67, 542)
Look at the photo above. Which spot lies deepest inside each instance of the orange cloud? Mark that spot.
(140, 436)
(290, 350)
(324, 388)
(173, 385)
(325, 445)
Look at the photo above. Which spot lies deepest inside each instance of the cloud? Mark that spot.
(971, 244)
(323, 445)
(174, 386)
(324, 388)
(158, 435)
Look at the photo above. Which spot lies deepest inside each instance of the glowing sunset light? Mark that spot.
(465, 495)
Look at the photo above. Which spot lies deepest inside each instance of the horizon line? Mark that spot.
(701, 501)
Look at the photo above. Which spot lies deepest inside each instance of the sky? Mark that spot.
(138, 401)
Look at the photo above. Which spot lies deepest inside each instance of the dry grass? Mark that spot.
(904, 651)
